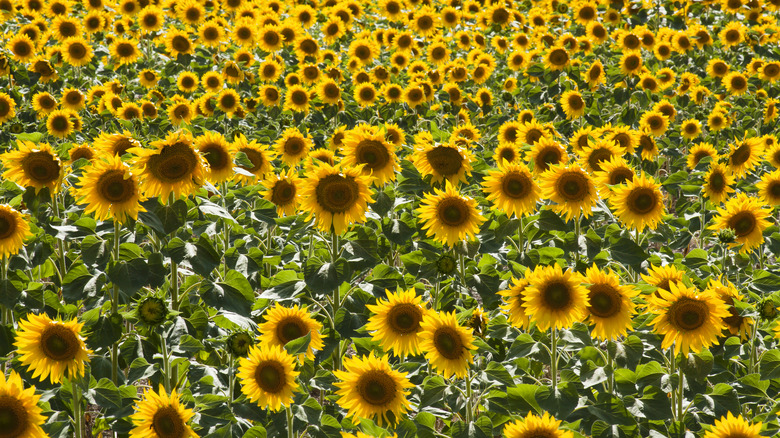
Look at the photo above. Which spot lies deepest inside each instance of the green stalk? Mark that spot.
(576, 241)
(60, 246)
(468, 397)
(681, 396)
(703, 203)
(753, 352)
(290, 432)
(554, 358)
(435, 297)
(115, 307)
(521, 238)
(174, 285)
(78, 418)
(231, 378)
(612, 364)
(166, 364)
(672, 371)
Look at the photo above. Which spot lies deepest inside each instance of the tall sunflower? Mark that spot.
(19, 410)
(450, 217)
(718, 183)
(555, 298)
(611, 303)
(747, 216)
(14, 230)
(285, 324)
(769, 188)
(159, 415)
(7, 107)
(293, 146)
(367, 145)
(51, 348)
(730, 426)
(396, 322)
(59, 123)
(267, 376)
(110, 190)
(745, 155)
(615, 171)
(533, 426)
(545, 153)
(446, 344)
(33, 165)
(443, 161)
(259, 156)
(571, 189)
(336, 196)
(639, 203)
(172, 168)
(687, 318)
(282, 190)
(370, 388)
(573, 104)
(115, 144)
(514, 297)
(216, 150)
(512, 189)
(735, 323)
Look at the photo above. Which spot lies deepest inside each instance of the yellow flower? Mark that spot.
(514, 297)
(159, 415)
(33, 166)
(293, 146)
(450, 217)
(638, 203)
(14, 230)
(7, 108)
(554, 298)
(51, 348)
(745, 215)
(110, 190)
(512, 189)
(282, 191)
(611, 304)
(216, 150)
(446, 345)
(571, 189)
(443, 161)
(285, 324)
(734, 427)
(267, 376)
(367, 145)
(396, 322)
(337, 196)
(19, 410)
(735, 323)
(533, 426)
(573, 104)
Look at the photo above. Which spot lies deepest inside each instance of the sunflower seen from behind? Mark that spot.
(161, 415)
(555, 298)
(571, 189)
(447, 345)
(336, 196)
(512, 189)
(611, 305)
(533, 426)
(14, 230)
(51, 348)
(34, 165)
(20, 414)
(267, 376)
(747, 216)
(110, 190)
(450, 217)
(285, 324)
(639, 203)
(370, 388)
(688, 319)
(395, 322)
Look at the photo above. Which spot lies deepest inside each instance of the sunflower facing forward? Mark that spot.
(110, 190)
(512, 189)
(555, 298)
(367, 145)
(450, 217)
(14, 229)
(734, 427)
(285, 324)
(336, 196)
(282, 190)
(533, 426)
(745, 215)
(446, 344)
(172, 168)
(611, 306)
(19, 411)
(267, 376)
(396, 322)
(159, 415)
(571, 189)
(443, 161)
(639, 203)
(51, 348)
(370, 388)
(687, 318)
(33, 165)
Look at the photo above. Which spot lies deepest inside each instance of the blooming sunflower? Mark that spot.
(546, 152)
(639, 203)
(734, 427)
(662, 276)
(594, 154)
(293, 146)
(699, 152)
(19, 410)
(654, 122)
(557, 58)
(14, 230)
(745, 155)
(7, 107)
(159, 415)
(736, 83)
(554, 298)
(216, 150)
(285, 324)
(514, 297)
(718, 183)
(59, 123)
(769, 188)
(297, 99)
(33, 166)
(115, 144)
(267, 376)
(172, 168)
(370, 388)
(533, 426)
(110, 190)
(573, 104)
(282, 191)
(571, 188)
(735, 323)
(337, 196)
(446, 344)
(745, 215)
(687, 318)
(610, 304)
(450, 217)
(51, 348)
(512, 189)
(77, 52)
(443, 161)
(613, 171)
(396, 322)
(367, 145)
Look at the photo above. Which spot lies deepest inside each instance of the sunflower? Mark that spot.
(554, 298)
(625, 137)
(365, 94)
(22, 48)
(337, 196)
(611, 304)
(180, 111)
(443, 161)
(594, 154)
(43, 103)
(124, 51)
(267, 376)
(282, 191)
(688, 318)
(216, 150)
(745, 215)
(51, 348)
(110, 190)
(512, 189)
(187, 82)
(171, 170)
(33, 166)
(159, 415)
(573, 104)
(595, 74)
(736, 83)
(533, 426)
(639, 203)
(571, 188)
(531, 132)
(631, 63)
(151, 19)
(285, 324)
(306, 47)
(699, 152)
(769, 188)
(72, 99)
(293, 146)
(690, 129)
(258, 155)
(734, 427)
(446, 344)
(745, 155)
(557, 58)
(329, 91)
(654, 122)
(450, 217)
(76, 51)
(177, 42)
(735, 323)
(718, 183)
(370, 388)
(297, 99)
(14, 230)
(395, 322)
(613, 171)
(19, 408)
(545, 153)
(514, 297)
(115, 144)
(367, 145)
(228, 101)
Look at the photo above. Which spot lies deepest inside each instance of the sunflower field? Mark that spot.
(393, 218)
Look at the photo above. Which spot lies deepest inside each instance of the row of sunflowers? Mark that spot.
(397, 218)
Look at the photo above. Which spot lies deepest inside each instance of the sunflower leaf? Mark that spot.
(299, 345)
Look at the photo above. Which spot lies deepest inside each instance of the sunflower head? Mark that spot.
(555, 298)
(512, 189)
(449, 216)
(396, 322)
(533, 426)
(267, 376)
(14, 230)
(337, 196)
(571, 188)
(170, 170)
(20, 414)
(446, 344)
(34, 165)
(110, 190)
(283, 324)
(638, 203)
(747, 216)
(162, 414)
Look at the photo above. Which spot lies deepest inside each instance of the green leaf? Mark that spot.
(210, 209)
(324, 277)
(627, 252)
(73, 285)
(299, 345)
(233, 294)
(696, 258)
(769, 365)
(522, 398)
(285, 286)
(496, 372)
(592, 374)
(722, 399)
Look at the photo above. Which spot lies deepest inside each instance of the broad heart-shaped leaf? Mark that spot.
(324, 277)
(234, 293)
(611, 409)
(285, 286)
(522, 398)
(481, 428)
(560, 403)
(627, 252)
(201, 255)
(163, 219)
(210, 209)
(299, 345)
(769, 365)
(79, 283)
(132, 275)
(722, 399)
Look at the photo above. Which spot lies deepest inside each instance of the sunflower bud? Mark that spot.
(726, 236)
(446, 264)
(767, 309)
(239, 343)
(152, 311)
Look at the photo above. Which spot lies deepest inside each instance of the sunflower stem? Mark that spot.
(166, 364)
(554, 358)
(78, 418)
(60, 247)
(521, 238)
(703, 206)
(468, 397)
(576, 241)
(752, 364)
(290, 431)
(174, 285)
(611, 362)
(680, 397)
(231, 378)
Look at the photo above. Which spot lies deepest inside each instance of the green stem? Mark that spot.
(681, 396)
(611, 380)
(115, 307)
(672, 371)
(753, 352)
(231, 378)
(290, 431)
(174, 285)
(435, 298)
(166, 364)
(521, 238)
(60, 246)
(703, 203)
(78, 418)
(554, 358)
(576, 241)
(334, 247)
(468, 397)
